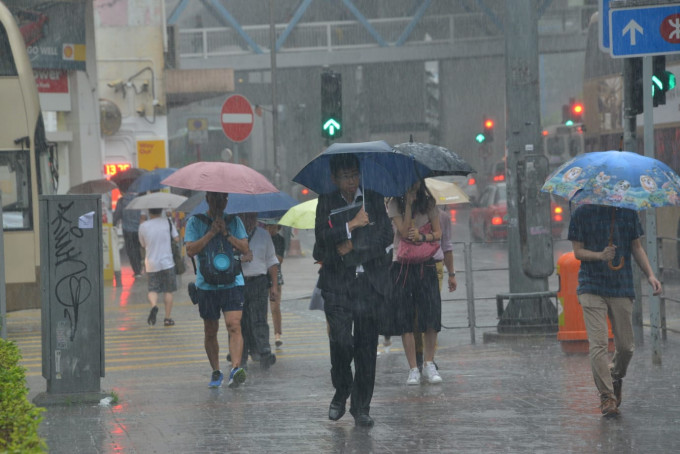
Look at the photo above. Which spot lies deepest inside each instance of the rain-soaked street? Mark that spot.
(495, 397)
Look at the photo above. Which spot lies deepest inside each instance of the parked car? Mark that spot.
(489, 218)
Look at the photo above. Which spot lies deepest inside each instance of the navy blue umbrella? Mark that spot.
(270, 205)
(382, 169)
(151, 181)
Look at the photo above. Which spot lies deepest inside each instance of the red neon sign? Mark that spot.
(114, 168)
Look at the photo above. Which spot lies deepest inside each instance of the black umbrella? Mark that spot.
(125, 178)
(440, 160)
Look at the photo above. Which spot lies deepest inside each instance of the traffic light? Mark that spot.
(637, 104)
(662, 80)
(487, 131)
(572, 112)
(331, 105)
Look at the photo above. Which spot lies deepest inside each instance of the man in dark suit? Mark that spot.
(354, 277)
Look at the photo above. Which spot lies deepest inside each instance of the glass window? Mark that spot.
(7, 66)
(15, 184)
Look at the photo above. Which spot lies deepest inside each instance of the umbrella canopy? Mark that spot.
(382, 169)
(616, 178)
(220, 177)
(440, 160)
(301, 216)
(125, 178)
(156, 200)
(445, 192)
(99, 186)
(270, 205)
(151, 181)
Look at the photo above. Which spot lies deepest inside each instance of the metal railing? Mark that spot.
(342, 35)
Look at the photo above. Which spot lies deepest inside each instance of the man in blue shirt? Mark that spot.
(605, 286)
(216, 299)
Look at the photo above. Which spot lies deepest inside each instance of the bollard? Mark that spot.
(294, 249)
(572, 329)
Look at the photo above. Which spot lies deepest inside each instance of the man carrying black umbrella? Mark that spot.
(352, 280)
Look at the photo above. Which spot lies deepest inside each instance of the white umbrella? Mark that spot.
(162, 200)
(446, 193)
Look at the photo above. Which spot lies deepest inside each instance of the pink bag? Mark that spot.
(410, 252)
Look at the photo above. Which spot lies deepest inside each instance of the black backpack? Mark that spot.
(218, 261)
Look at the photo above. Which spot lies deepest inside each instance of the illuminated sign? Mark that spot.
(114, 168)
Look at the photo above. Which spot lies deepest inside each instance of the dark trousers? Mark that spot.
(254, 327)
(354, 308)
(134, 250)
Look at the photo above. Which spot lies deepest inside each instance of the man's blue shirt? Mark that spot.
(195, 230)
(590, 225)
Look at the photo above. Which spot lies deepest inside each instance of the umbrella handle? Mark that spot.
(616, 267)
(611, 242)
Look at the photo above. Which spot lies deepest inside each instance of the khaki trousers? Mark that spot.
(595, 311)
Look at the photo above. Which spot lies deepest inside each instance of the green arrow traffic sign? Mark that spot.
(331, 126)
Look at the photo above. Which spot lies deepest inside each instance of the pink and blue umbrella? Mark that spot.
(616, 178)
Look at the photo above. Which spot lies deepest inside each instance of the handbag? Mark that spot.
(180, 267)
(410, 252)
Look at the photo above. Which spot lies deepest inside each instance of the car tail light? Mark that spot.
(472, 181)
(453, 216)
(499, 178)
(496, 220)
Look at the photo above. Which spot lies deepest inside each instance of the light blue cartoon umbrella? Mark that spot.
(618, 179)
(615, 178)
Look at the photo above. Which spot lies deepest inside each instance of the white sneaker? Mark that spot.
(413, 377)
(431, 373)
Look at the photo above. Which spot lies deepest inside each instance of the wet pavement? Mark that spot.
(500, 397)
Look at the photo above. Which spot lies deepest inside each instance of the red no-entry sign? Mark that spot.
(237, 118)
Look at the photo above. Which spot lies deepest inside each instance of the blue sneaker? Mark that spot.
(216, 379)
(236, 377)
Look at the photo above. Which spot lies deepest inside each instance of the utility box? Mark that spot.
(72, 293)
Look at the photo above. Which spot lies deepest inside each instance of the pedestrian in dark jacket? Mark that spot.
(353, 280)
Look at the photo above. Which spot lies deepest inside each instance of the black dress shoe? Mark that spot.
(363, 420)
(336, 410)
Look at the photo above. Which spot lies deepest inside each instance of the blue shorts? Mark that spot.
(211, 303)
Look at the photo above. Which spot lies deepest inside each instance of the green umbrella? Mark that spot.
(301, 216)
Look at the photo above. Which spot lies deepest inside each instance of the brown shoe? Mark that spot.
(608, 407)
(618, 384)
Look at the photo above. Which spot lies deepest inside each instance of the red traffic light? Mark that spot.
(305, 191)
(488, 124)
(577, 108)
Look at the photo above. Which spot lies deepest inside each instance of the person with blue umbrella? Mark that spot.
(608, 187)
(353, 239)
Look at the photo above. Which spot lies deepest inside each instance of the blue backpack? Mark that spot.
(218, 261)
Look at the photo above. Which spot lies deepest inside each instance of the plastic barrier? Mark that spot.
(572, 329)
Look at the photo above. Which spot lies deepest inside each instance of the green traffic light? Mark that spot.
(480, 138)
(671, 80)
(569, 123)
(331, 126)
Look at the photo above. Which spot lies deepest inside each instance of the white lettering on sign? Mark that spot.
(237, 118)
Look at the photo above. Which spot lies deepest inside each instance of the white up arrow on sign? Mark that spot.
(631, 28)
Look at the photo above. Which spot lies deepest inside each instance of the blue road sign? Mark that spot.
(645, 30)
(604, 25)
